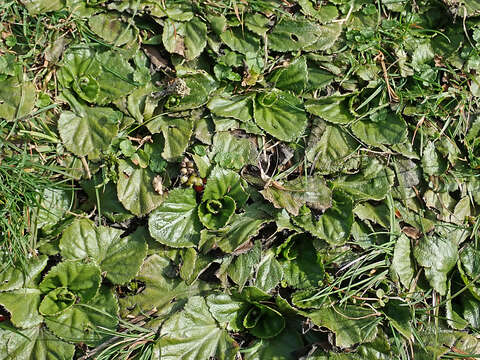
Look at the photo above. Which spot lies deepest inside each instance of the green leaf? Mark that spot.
(375, 213)
(175, 223)
(135, 188)
(180, 10)
(439, 343)
(22, 304)
(454, 320)
(293, 194)
(117, 78)
(53, 205)
(432, 162)
(243, 227)
(469, 268)
(160, 287)
(281, 347)
(253, 295)
(193, 264)
(241, 41)
(280, 114)
(83, 280)
(176, 132)
(194, 334)
(119, 258)
(351, 324)
(470, 260)
(292, 35)
(124, 257)
(187, 39)
(217, 22)
(87, 130)
(87, 88)
(438, 256)
(215, 213)
(334, 225)
(226, 124)
(242, 267)
(110, 206)
(83, 69)
(257, 23)
(81, 322)
(80, 72)
(402, 263)
(331, 149)
(318, 78)
(222, 183)
(326, 36)
(224, 308)
(56, 301)
(471, 310)
(111, 29)
(232, 152)
(35, 343)
(294, 77)
(382, 128)
(238, 107)
(36, 7)
(15, 277)
(263, 322)
(200, 86)
(325, 13)
(372, 182)
(303, 265)
(398, 314)
(269, 272)
(334, 109)
(379, 349)
(17, 98)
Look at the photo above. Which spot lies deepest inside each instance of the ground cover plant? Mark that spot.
(239, 179)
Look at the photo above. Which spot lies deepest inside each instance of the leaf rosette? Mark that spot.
(66, 284)
(261, 320)
(215, 213)
(222, 196)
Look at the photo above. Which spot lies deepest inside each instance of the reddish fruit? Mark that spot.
(198, 188)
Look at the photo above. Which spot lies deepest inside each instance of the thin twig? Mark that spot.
(85, 165)
(391, 93)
